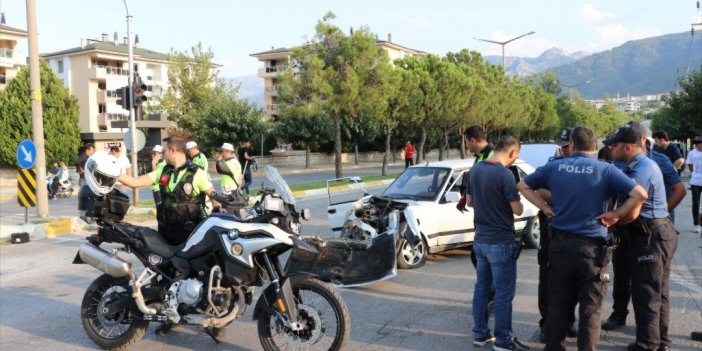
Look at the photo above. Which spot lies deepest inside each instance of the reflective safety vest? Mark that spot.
(180, 207)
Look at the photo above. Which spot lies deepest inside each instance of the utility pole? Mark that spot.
(503, 43)
(35, 97)
(132, 122)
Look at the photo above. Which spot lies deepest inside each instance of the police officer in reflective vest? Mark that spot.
(227, 155)
(157, 163)
(652, 241)
(183, 186)
(621, 265)
(563, 141)
(195, 156)
(581, 187)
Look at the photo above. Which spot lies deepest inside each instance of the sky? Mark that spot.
(235, 29)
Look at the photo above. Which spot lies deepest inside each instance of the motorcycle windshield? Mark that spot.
(280, 185)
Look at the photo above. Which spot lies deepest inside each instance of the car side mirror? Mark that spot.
(453, 196)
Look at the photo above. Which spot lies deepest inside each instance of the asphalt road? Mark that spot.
(424, 309)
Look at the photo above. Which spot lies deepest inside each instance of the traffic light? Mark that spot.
(140, 94)
(123, 94)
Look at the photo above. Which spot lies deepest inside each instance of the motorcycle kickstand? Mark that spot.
(210, 331)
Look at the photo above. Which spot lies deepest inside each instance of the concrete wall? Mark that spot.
(296, 159)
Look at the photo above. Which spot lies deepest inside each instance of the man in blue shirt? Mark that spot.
(492, 191)
(581, 188)
(652, 242)
(621, 285)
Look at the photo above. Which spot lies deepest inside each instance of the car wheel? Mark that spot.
(532, 233)
(410, 256)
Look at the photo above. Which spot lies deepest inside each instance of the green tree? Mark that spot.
(60, 116)
(229, 120)
(347, 74)
(683, 116)
(404, 101)
(304, 131)
(192, 86)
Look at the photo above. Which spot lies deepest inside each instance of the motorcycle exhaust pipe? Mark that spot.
(104, 260)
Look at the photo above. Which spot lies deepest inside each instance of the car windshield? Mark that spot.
(418, 183)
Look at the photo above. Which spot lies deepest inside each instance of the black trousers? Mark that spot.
(651, 256)
(578, 266)
(542, 259)
(621, 283)
(409, 162)
(696, 192)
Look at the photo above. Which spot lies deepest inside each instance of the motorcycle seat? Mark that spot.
(154, 241)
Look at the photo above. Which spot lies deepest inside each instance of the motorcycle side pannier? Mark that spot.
(112, 206)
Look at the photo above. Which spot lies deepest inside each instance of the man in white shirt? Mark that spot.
(123, 161)
(694, 163)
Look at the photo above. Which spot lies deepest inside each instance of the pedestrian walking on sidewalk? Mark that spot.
(694, 163)
(409, 154)
(246, 160)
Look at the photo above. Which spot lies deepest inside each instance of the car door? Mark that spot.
(455, 227)
(530, 210)
(342, 193)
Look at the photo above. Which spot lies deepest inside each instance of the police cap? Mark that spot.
(629, 134)
(564, 137)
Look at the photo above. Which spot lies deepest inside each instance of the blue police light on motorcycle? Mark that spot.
(233, 234)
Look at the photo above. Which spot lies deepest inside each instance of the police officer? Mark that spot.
(183, 187)
(563, 141)
(195, 156)
(621, 285)
(157, 163)
(581, 187)
(652, 242)
(481, 149)
(227, 155)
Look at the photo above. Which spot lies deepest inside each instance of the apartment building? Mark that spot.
(12, 58)
(275, 61)
(94, 72)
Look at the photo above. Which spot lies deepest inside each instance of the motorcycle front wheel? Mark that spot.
(116, 331)
(322, 312)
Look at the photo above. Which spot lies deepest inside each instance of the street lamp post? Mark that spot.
(132, 122)
(570, 87)
(503, 43)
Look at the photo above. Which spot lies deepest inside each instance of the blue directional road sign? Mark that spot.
(26, 154)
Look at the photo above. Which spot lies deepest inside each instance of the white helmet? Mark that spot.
(101, 172)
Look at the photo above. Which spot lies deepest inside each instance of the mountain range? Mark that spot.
(637, 67)
(526, 66)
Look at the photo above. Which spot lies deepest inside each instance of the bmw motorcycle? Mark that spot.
(210, 279)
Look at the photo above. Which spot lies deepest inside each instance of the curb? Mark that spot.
(50, 229)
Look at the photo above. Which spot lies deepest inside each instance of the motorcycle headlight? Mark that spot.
(273, 204)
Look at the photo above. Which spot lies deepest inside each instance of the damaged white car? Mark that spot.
(426, 196)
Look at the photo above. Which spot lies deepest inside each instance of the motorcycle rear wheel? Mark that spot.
(314, 298)
(118, 331)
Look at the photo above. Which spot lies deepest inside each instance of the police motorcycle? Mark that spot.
(210, 279)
